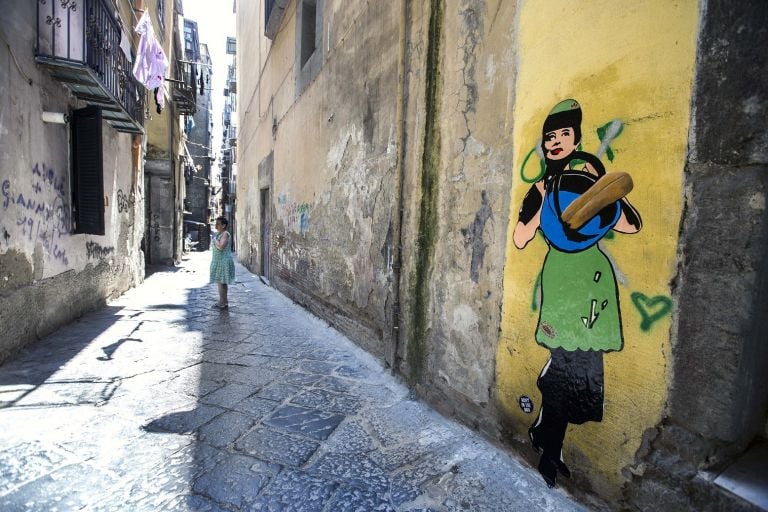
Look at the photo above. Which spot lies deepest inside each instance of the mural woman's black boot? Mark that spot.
(535, 443)
(548, 470)
(547, 435)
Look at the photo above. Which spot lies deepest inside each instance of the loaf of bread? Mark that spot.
(607, 189)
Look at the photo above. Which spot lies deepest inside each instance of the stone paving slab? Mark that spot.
(159, 402)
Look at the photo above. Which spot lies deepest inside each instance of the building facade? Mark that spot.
(397, 158)
(71, 147)
(198, 130)
(167, 159)
(87, 160)
(228, 162)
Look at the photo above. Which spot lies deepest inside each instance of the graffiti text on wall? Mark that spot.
(95, 251)
(155, 227)
(125, 201)
(40, 218)
(295, 215)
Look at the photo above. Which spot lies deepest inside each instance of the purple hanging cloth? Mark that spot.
(151, 63)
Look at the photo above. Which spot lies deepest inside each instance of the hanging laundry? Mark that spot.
(160, 96)
(151, 63)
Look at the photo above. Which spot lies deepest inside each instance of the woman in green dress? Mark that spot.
(222, 264)
(579, 317)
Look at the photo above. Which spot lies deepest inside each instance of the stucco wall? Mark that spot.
(47, 274)
(434, 154)
(334, 161)
(718, 392)
(460, 93)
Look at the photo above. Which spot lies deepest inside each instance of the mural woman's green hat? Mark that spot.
(564, 106)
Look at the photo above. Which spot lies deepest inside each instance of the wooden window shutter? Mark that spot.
(87, 171)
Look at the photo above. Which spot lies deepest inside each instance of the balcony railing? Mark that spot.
(185, 87)
(79, 42)
(232, 79)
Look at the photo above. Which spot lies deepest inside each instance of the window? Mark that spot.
(308, 30)
(231, 45)
(309, 37)
(87, 172)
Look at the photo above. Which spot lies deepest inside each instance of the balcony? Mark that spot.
(79, 43)
(184, 92)
(232, 80)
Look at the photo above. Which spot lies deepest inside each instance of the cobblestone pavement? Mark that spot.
(158, 402)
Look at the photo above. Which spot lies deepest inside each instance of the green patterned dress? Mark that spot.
(222, 264)
(579, 302)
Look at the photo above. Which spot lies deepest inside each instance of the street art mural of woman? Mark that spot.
(574, 203)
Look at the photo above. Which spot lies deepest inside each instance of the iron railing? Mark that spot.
(86, 32)
(185, 87)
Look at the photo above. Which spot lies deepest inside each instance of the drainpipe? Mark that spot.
(392, 358)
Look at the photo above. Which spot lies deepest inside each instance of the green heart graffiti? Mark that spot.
(651, 309)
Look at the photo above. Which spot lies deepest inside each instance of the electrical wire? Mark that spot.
(13, 56)
(187, 141)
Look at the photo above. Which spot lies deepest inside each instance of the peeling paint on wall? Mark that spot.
(15, 270)
(473, 236)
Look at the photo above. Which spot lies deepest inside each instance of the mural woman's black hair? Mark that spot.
(566, 119)
(223, 220)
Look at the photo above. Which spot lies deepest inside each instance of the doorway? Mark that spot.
(266, 221)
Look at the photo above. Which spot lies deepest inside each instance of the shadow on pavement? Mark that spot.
(25, 379)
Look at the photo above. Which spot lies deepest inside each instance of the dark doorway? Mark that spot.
(266, 220)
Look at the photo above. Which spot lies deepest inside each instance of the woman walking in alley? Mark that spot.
(222, 265)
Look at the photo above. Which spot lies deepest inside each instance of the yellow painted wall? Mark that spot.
(630, 61)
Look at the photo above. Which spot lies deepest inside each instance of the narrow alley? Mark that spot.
(160, 402)
(491, 255)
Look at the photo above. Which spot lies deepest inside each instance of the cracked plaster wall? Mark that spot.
(333, 169)
(48, 276)
(473, 119)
